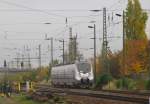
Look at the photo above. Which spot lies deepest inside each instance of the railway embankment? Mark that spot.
(84, 96)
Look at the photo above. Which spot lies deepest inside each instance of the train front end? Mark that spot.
(85, 73)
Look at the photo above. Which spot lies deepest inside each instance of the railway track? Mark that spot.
(136, 97)
(137, 92)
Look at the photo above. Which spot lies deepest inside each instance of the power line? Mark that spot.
(21, 23)
(56, 10)
(22, 32)
(29, 8)
(25, 32)
(114, 4)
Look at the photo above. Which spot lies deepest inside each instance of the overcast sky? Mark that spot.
(22, 26)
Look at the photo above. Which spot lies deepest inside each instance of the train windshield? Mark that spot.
(84, 67)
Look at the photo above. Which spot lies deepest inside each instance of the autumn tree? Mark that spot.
(136, 38)
(114, 64)
(148, 56)
(135, 21)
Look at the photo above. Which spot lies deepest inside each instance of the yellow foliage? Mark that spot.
(98, 66)
(135, 59)
(42, 73)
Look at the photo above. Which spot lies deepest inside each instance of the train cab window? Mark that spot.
(84, 67)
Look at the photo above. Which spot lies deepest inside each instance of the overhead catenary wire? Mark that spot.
(114, 4)
(29, 8)
(56, 10)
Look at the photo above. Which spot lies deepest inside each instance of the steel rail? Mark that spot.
(134, 92)
(106, 94)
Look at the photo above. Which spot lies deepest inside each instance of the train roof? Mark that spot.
(70, 63)
(63, 64)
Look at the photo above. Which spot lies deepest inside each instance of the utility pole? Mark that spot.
(94, 51)
(75, 50)
(52, 51)
(40, 57)
(6, 73)
(63, 51)
(105, 42)
(17, 60)
(124, 46)
(25, 55)
(22, 63)
(70, 45)
(63, 55)
(29, 60)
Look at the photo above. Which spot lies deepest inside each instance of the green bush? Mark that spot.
(103, 80)
(147, 85)
(126, 83)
